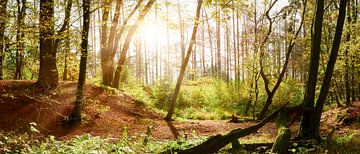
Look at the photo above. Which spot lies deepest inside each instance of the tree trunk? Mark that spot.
(126, 45)
(329, 69)
(185, 63)
(210, 41)
(235, 42)
(107, 41)
(282, 141)
(215, 143)
(76, 115)
(3, 17)
(347, 67)
(306, 131)
(218, 47)
(182, 35)
(48, 73)
(21, 12)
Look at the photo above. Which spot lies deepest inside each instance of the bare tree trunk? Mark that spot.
(235, 42)
(48, 73)
(347, 67)
(210, 41)
(203, 43)
(215, 143)
(330, 68)
(3, 10)
(76, 115)
(21, 13)
(184, 65)
(182, 35)
(218, 46)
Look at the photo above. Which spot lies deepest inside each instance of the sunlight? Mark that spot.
(153, 33)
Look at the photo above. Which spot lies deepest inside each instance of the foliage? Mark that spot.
(211, 98)
(15, 143)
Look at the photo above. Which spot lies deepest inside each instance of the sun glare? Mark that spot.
(153, 33)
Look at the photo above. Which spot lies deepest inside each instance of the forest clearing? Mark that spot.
(185, 76)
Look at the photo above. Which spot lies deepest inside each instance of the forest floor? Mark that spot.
(107, 113)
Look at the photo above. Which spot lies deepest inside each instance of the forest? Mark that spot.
(179, 76)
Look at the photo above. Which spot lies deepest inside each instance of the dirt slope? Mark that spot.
(105, 114)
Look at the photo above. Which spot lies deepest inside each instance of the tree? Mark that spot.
(48, 73)
(291, 43)
(310, 122)
(128, 39)
(76, 115)
(3, 7)
(107, 42)
(184, 64)
(21, 12)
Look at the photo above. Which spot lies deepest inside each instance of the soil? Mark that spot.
(106, 113)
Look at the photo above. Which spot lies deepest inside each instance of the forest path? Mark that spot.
(106, 113)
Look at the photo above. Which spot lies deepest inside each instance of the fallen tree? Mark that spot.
(215, 143)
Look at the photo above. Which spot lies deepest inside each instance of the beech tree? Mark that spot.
(48, 73)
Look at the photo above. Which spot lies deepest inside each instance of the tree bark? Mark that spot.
(282, 141)
(306, 131)
(3, 17)
(48, 73)
(347, 67)
(76, 116)
(218, 46)
(330, 68)
(21, 12)
(185, 63)
(215, 143)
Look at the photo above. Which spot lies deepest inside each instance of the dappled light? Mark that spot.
(179, 76)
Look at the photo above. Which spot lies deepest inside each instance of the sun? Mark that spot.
(153, 33)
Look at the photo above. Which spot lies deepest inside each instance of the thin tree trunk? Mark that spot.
(185, 63)
(235, 42)
(76, 115)
(218, 46)
(347, 67)
(306, 131)
(329, 69)
(21, 13)
(182, 35)
(210, 42)
(3, 8)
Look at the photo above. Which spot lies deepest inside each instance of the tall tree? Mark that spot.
(107, 41)
(21, 12)
(76, 116)
(310, 122)
(48, 73)
(291, 43)
(218, 41)
(185, 63)
(3, 8)
(128, 39)
(309, 97)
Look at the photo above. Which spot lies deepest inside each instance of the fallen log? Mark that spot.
(215, 143)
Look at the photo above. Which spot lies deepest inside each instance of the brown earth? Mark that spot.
(106, 113)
